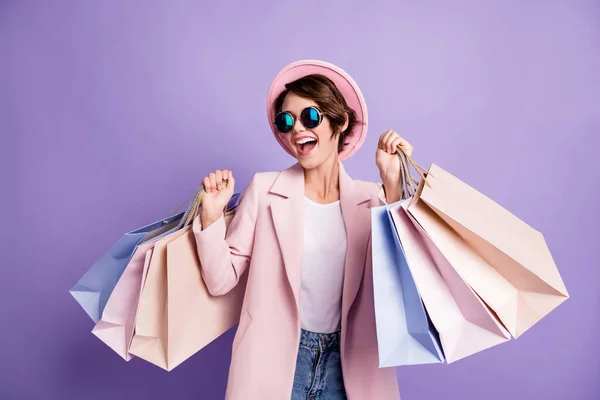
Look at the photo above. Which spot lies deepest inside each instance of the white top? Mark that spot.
(323, 259)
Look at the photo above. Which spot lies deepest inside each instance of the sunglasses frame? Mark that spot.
(319, 112)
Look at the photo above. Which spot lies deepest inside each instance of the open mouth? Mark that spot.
(305, 145)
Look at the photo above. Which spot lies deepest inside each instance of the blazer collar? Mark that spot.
(288, 219)
(290, 183)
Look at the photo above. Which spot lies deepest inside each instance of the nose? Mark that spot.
(298, 127)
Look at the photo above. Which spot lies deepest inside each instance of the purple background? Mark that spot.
(112, 112)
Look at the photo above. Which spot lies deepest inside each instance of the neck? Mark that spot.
(324, 180)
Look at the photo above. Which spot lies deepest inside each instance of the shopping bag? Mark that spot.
(177, 316)
(116, 326)
(95, 287)
(405, 335)
(504, 260)
(463, 321)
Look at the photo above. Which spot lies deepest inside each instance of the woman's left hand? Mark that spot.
(388, 163)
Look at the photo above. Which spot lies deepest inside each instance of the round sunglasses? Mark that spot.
(311, 117)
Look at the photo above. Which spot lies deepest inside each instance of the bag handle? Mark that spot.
(407, 178)
(405, 175)
(182, 204)
(194, 209)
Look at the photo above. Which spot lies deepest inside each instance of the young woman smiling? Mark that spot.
(307, 325)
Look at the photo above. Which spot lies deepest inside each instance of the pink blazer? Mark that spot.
(265, 239)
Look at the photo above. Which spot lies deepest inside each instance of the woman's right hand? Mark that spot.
(217, 195)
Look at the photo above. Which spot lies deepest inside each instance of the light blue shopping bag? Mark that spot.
(405, 335)
(94, 288)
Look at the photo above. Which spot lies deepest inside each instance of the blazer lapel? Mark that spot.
(288, 219)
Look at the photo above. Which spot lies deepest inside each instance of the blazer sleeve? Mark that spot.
(225, 253)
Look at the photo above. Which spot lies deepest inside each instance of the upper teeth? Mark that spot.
(305, 140)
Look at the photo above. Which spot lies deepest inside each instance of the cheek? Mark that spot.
(324, 135)
(285, 138)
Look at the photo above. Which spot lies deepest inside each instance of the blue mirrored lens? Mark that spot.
(310, 117)
(284, 122)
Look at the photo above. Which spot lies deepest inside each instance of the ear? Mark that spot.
(345, 123)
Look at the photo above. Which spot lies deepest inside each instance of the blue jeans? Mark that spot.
(318, 373)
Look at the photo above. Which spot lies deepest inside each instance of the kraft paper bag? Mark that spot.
(177, 316)
(463, 321)
(504, 260)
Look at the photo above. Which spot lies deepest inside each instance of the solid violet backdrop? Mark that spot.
(112, 112)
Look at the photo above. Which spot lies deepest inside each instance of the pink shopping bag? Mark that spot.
(463, 321)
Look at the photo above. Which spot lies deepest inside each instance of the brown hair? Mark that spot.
(323, 91)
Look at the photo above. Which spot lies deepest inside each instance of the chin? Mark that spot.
(311, 162)
(308, 163)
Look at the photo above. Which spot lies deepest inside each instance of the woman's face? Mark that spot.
(319, 145)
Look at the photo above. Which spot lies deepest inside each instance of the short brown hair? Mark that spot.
(330, 100)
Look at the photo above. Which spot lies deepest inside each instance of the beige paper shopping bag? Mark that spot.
(463, 321)
(150, 335)
(176, 315)
(195, 317)
(504, 260)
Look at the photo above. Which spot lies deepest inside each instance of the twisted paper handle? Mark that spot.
(194, 208)
(182, 204)
(407, 178)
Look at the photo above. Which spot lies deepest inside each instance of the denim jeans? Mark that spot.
(318, 373)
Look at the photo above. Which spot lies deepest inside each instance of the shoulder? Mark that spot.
(262, 181)
(374, 189)
(368, 186)
(260, 184)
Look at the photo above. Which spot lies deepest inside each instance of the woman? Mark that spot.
(307, 325)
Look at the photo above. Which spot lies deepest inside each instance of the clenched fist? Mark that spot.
(389, 165)
(219, 187)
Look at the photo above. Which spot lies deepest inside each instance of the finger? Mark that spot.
(390, 142)
(388, 135)
(213, 181)
(383, 138)
(206, 184)
(219, 179)
(225, 178)
(406, 147)
(395, 143)
(231, 181)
